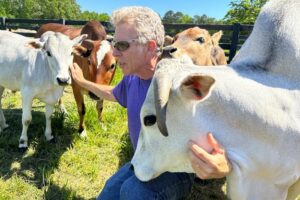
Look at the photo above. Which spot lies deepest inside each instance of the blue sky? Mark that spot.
(212, 8)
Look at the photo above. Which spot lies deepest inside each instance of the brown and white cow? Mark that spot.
(198, 44)
(95, 58)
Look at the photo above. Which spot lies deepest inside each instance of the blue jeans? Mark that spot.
(124, 185)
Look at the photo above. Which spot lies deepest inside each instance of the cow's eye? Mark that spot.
(48, 53)
(200, 39)
(149, 120)
(112, 66)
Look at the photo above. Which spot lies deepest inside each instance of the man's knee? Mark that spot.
(134, 189)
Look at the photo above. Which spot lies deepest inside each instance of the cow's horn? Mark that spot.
(162, 86)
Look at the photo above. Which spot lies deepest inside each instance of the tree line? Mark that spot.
(241, 11)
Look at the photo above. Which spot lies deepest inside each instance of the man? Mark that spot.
(139, 34)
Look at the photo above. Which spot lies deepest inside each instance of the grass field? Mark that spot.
(71, 168)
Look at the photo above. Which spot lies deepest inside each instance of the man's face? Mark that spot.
(134, 58)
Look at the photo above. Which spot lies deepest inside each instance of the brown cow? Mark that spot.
(94, 56)
(70, 31)
(198, 44)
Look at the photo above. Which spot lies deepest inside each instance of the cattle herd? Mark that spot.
(93, 53)
(251, 105)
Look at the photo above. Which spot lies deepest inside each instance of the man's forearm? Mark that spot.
(102, 91)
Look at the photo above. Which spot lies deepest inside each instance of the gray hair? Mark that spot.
(147, 23)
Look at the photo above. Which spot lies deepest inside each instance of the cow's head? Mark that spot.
(58, 52)
(169, 120)
(96, 60)
(196, 43)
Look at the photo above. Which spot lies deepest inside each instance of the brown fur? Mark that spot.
(86, 57)
(205, 53)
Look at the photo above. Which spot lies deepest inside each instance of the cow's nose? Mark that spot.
(132, 167)
(63, 81)
(167, 51)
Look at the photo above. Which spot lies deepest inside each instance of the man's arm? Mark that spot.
(102, 91)
(209, 165)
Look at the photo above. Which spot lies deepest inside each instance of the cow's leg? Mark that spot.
(99, 107)
(3, 124)
(48, 130)
(80, 108)
(62, 108)
(26, 119)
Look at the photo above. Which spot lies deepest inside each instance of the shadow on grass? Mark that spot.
(37, 164)
(56, 193)
(126, 151)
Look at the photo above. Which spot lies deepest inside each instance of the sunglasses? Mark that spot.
(122, 45)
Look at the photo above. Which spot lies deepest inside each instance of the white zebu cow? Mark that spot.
(253, 114)
(252, 108)
(39, 69)
(274, 44)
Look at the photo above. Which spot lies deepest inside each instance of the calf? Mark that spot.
(95, 59)
(196, 43)
(39, 69)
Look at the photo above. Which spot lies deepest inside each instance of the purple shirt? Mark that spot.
(131, 93)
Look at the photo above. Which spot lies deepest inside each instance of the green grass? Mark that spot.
(71, 168)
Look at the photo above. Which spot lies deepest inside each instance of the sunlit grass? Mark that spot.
(72, 168)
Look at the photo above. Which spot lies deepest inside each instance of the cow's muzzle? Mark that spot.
(63, 81)
(167, 51)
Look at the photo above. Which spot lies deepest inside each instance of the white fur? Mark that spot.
(104, 48)
(252, 110)
(34, 73)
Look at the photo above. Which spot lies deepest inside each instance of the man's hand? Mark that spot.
(209, 165)
(76, 73)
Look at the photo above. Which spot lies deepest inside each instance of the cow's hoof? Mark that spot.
(23, 149)
(103, 126)
(63, 110)
(83, 134)
(5, 126)
(52, 141)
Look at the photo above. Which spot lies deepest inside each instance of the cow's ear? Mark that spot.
(168, 40)
(197, 87)
(35, 44)
(79, 39)
(81, 51)
(216, 37)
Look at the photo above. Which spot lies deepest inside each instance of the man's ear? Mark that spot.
(152, 45)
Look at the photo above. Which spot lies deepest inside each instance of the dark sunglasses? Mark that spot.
(122, 45)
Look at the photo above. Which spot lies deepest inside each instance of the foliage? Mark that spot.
(50, 9)
(86, 15)
(178, 17)
(244, 11)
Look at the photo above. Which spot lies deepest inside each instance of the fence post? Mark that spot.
(63, 21)
(234, 40)
(3, 27)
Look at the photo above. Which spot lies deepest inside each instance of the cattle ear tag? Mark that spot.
(197, 87)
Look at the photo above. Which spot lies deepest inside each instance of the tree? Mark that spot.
(204, 19)
(86, 15)
(244, 11)
(51, 9)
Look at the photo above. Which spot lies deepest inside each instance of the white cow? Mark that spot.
(252, 108)
(274, 44)
(255, 116)
(39, 69)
